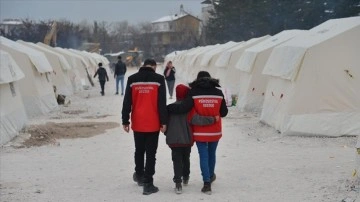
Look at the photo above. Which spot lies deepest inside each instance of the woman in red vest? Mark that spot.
(206, 99)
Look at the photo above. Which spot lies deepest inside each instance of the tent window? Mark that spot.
(12, 88)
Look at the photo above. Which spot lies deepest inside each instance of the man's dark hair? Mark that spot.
(119, 57)
(100, 64)
(150, 62)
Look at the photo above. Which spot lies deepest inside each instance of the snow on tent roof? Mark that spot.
(9, 70)
(224, 58)
(64, 63)
(170, 18)
(62, 59)
(37, 58)
(285, 59)
(248, 58)
(208, 55)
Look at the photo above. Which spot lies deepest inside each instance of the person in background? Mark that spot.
(207, 100)
(145, 99)
(169, 74)
(103, 77)
(179, 138)
(119, 75)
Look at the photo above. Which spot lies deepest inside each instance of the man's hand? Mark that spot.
(217, 118)
(126, 128)
(163, 128)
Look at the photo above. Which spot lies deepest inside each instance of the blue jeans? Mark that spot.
(207, 153)
(120, 78)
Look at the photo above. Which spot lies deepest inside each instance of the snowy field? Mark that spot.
(254, 162)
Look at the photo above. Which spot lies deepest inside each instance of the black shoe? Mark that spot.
(116, 93)
(149, 188)
(186, 180)
(213, 178)
(138, 179)
(206, 188)
(178, 188)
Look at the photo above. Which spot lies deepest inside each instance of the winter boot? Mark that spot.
(149, 188)
(206, 188)
(178, 188)
(212, 178)
(186, 180)
(138, 179)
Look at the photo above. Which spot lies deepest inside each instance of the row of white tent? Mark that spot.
(303, 82)
(28, 74)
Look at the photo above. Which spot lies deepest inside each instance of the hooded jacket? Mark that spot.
(207, 100)
(179, 131)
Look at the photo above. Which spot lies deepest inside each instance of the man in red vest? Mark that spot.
(145, 99)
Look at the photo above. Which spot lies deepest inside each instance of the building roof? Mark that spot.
(11, 22)
(173, 17)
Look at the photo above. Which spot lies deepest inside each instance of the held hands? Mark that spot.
(163, 128)
(217, 118)
(126, 128)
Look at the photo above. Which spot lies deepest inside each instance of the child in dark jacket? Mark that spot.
(103, 77)
(179, 138)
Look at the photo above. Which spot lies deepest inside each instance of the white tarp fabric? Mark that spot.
(12, 112)
(36, 88)
(37, 58)
(323, 97)
(209, 54)
(78, 74)
(233, 54)
(72, 62)
(247, 59)
(229, 75)
(251, 63)
(287, 58)
(60, 78)
(9, 70)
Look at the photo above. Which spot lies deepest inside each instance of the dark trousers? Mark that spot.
(181, 162)
(145, 143)
(102, 85)
(170, 85)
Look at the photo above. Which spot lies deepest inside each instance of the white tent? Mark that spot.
(314, 85)
(227, 73)
(78, 75)
(60, 78)
(12, 112)
(192, 61)
(36, 88)
(251, 91)
(179, 62)
(211, 57)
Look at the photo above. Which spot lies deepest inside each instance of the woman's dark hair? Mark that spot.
(203, 74)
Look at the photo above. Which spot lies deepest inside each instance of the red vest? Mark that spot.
(145, 114)
(207, 105)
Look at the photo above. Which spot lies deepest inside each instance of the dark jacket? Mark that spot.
(145, 99)
(171, 76)
(207, 100)
(179, 132)
(120, 68)
(101, 71)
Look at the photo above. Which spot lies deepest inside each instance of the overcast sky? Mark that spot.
(134, 11)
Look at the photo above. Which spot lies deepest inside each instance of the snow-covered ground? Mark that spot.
(254, 162)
